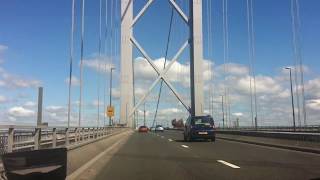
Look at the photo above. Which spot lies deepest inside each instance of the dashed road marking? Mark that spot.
(185, 146)
(170, 140)
(228, 164)
(162, 137)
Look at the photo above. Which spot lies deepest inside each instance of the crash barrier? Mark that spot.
(309, 128)
(301, 136)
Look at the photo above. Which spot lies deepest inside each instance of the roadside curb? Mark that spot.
(295, 148)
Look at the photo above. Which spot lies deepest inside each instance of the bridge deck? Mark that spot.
(166, 156)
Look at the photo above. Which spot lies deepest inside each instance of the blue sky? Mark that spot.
(36, 35)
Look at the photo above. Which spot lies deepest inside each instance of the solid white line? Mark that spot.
(185, 146)
(228, 164)
(170, 140)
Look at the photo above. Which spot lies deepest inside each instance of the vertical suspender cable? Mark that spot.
(227, 67)
(209, 34)
(105, 63)
(295, 49)
(99, 63)
(300, 62)
(208, 49)
(111, 43)
(226, 56)
(250, 58)
(116, 35)
(111, 50)
(253, 65)
(71, 61)
(81, 62)
(211, 55)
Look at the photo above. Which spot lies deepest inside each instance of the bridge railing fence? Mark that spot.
(24, 138)
(311, 128)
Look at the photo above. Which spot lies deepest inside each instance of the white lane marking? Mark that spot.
(170, 140)
(228, 164)
(185, 146)
(162, 137)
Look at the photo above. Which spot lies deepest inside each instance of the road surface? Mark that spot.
(165, 156)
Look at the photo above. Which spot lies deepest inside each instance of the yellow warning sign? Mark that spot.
(110, 111)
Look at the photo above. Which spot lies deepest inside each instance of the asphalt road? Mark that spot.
(166, 156)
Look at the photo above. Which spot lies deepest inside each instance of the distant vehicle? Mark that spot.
(159, 128)
(178, 124)
(143, 129)
(199, 127)
(152, 129)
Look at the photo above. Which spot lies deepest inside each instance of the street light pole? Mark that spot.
(222, 108)
(110, 97)
(292, 101)
(144, 114)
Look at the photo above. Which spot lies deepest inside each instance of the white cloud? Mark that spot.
(74, 81)
(101, 65)
(312, 88)
(178, 72)
(3, 48)
(314, 104)
(13, 81)
(30, 104)
(3, 99)
(21, 112)
(237, 114)
(264, 84)
(233, 69)
(54, 108)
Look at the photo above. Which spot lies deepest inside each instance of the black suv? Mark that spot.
(199, 127)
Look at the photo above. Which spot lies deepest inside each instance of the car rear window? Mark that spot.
(202, 121)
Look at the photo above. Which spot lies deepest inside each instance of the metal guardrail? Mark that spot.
(23, 138)
(314, 128)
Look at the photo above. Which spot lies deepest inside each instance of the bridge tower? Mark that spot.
(195, 42)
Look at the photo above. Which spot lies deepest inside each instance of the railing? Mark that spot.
(23, 138)
(314, 128)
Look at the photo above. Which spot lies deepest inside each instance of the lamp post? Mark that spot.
(144, 114)
(222, 108)
(292, 101)
(110, 97)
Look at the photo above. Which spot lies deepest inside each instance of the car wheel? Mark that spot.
(213, 139)
(189, 138)
(184, 137)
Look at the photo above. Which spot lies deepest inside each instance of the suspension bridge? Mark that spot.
(264, 129)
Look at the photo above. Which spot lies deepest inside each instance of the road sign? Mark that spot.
(110, 111)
